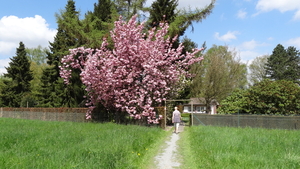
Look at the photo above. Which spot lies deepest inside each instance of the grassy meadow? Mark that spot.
(48, 144)
(211, 147)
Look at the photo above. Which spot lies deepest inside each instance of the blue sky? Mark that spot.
(250, 27)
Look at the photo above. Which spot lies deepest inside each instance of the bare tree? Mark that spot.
(257, 69)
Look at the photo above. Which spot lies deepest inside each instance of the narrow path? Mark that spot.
(168, 158)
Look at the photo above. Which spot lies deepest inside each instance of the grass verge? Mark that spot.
(224, 147)
(46, 144)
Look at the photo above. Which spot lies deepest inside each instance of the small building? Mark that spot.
(199, 106)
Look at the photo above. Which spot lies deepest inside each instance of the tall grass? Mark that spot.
(223, 147)
(45, 144)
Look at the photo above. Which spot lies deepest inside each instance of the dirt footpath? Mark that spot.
(169, 156)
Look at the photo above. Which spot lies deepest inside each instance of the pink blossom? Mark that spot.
(137, 74)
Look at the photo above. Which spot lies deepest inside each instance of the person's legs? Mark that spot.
(176, 127)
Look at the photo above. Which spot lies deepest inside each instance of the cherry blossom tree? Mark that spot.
(136, 74)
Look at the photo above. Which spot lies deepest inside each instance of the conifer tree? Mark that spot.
(98, 23)
(179, 20)
(69, 35)
(163, 11)
(20, 74)
(284, 64)
(128, 8)
(293, 68)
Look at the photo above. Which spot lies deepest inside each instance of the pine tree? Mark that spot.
(98, 23)
(179, 21)
(128, 8)
(163, 11)
(103, 10)
(69, 35)
(292, 72)
(283, 64)
(20, 74)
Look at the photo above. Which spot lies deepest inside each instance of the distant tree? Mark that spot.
(136, 75)
(38, 59)
(128, 8)
(257, 69)
(284, 64)
(220, 72)
(20, 74)
(37, 55)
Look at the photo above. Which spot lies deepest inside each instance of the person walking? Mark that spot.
(176, 119)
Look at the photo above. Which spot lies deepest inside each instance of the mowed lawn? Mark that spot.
(211, 147)
(47, 144)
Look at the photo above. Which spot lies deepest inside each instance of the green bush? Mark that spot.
(267, 97)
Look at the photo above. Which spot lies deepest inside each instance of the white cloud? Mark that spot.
(187, 3)
(241, 14)
(297, 15)
(247, 56)
(193, 3)
(32, 31)
(226, 37)
(3, 64)
(294, 42)
(281, 5)
(250, 45)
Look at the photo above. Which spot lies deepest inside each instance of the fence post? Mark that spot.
(238, 117)
(192, 123)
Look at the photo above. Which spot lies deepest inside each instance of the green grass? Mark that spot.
(45, 144)
(223, 147)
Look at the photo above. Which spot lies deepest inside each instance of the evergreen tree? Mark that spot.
(283, 64)
(69, 35)
(103, 10)
(128, 8)
(98, 23)
(292, 72)
(20, 74)
(178, 21)
(163, 11)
